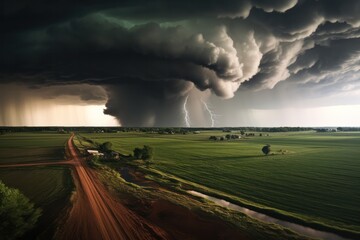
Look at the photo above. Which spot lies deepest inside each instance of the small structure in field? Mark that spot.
(94, 152)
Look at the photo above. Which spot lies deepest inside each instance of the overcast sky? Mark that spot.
(180, 63)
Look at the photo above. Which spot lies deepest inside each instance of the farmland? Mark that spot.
(48, 187)
(312, 177)
(41, 185)
(32, 147)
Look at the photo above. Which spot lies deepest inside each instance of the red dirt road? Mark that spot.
(96, 215)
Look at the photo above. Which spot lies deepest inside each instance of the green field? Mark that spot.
(47, 187)
(31, 147)
(41, 185)
(316, 180)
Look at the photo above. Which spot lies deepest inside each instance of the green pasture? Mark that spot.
(311, 176)
(48, 188)
(31, 147)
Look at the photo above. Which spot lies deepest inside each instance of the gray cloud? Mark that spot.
(150, 56)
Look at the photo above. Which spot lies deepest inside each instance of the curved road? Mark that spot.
(96, 215)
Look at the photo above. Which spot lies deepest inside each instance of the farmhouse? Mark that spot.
(94, 152)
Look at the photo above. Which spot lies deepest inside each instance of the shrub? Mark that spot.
(266, 149)
(148, 153)
(106, 147)
(17, 213)
(138, 153)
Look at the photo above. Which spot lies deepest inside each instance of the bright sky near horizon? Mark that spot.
(180, 63)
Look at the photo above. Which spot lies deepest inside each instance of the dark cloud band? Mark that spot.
(152, 55)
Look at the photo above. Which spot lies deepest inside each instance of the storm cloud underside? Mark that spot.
(149, 57)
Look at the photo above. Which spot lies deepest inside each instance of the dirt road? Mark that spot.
(96, 215)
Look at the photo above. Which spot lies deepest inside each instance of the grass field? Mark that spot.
(42, 185)
(31, 147)
(48, 187)
(317, 180)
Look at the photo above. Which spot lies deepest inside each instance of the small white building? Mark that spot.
(94, 152)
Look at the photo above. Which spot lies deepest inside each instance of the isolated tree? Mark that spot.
(138, 153)
(266, 149)
(106, 146)
(147, 153)
(17, 213)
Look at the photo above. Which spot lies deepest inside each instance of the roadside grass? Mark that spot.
(312, 177)
(82, 144)
(131, 193)
(48, 187)
(31, 147)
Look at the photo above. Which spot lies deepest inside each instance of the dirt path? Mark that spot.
(37, 164)
(96, 215)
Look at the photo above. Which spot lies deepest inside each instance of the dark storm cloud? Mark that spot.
(149, 56)
(135, 105)
(336, 57)
(88, 48)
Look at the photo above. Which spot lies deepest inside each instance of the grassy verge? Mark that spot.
(131, 193)
(311, 179)
(178, 184)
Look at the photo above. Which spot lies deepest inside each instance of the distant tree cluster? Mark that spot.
(226, 137)
(146, 153)
(348, 129)
(17, 213)
(325, 130)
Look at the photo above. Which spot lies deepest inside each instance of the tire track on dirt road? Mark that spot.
(96, 215)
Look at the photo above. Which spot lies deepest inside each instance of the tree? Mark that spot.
(17, 213)
(106, 147)
(138, 153)
(266, 149)
(213, 138)
(147, 153)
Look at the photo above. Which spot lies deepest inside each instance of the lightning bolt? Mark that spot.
(186, 117)
(211, 114)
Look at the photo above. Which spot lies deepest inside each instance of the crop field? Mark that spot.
(314, 177)
(31, 147)
(47, 187)
(42, 185)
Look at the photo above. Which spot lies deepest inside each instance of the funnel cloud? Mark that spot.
(143, 60)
